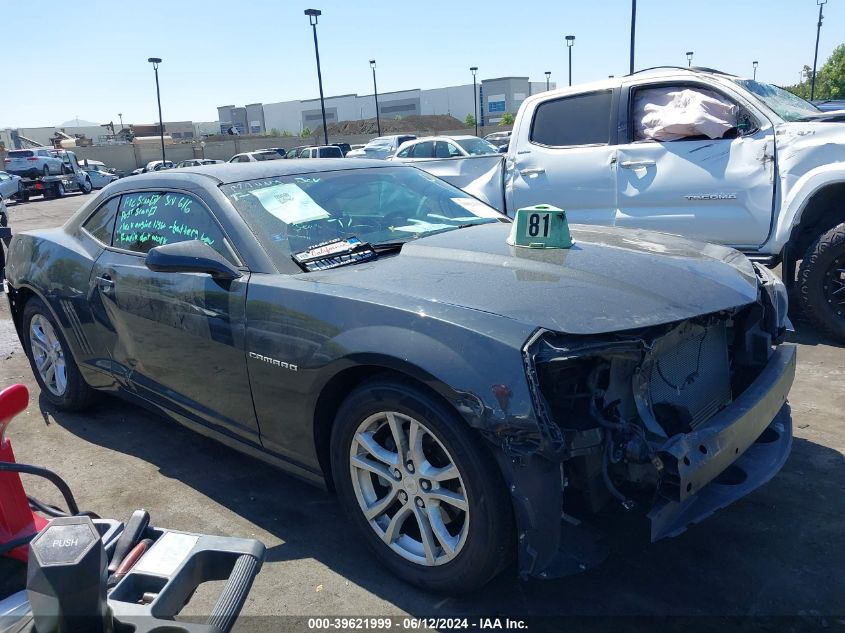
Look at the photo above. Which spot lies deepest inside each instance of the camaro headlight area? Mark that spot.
(655, 417)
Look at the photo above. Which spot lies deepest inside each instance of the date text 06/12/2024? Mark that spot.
(414, 624)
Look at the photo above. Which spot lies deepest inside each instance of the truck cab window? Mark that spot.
(577, 120)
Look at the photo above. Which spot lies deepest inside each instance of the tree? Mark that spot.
(469, 121)
(507, 119)
(274, 132)
(830, 79)
(285, 133)
(306, 132)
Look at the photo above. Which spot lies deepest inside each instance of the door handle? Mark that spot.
(534, 171)
(105, 284)
(636, 164)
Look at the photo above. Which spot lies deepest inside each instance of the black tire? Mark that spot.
(817, 272)
(488, 547)
(59, 190)
(46, 170)
(77, 394)
(87, 187)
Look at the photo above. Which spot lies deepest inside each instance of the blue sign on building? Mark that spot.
(496, 106)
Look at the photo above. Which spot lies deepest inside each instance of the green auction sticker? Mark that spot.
(540, 226)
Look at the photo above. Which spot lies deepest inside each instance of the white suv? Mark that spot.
(39, 161)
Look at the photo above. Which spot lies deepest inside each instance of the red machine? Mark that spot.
(18, 523)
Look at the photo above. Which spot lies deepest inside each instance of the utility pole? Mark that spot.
(633, 32)
(821, 4)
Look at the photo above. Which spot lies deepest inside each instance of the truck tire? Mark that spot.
(59, 190)
(86, 186)
(821, 283)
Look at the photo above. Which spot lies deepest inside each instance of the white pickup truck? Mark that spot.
(773, 186)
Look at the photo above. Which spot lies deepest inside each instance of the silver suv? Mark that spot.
(381, 147)
(39, 161)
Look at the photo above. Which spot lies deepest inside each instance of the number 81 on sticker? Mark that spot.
(540, 226)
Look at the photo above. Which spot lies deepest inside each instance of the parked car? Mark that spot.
(281, 151)
(344, 147)
(443, 147)
(31, 163)
(10, 185)
(153, 165)
(499, 138)
(296, 151)
(322, 151)
(254, 157)
(370, 328)
(197, 162)
(99, 177)
(830, 105)
(381, 147)
(765, 175)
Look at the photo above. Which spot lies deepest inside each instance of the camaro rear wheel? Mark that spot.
(52, 363)
(425, 495)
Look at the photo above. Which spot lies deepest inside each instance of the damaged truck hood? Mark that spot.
(611, 279)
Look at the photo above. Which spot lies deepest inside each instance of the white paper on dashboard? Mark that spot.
(290, 204)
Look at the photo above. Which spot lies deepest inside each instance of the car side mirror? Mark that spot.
(192, 256)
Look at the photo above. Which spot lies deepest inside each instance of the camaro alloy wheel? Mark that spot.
(420, 486)
(48, 356)
(409, 488)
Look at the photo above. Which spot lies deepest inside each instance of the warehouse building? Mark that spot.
(495, 97)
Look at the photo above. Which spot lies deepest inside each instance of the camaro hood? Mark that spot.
(611, 279)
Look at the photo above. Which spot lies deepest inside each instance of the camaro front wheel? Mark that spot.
(421, 489)
(52, 362)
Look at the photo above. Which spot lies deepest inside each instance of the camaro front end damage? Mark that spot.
(676, 421)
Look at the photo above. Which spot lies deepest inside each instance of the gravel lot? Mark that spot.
(778, 552)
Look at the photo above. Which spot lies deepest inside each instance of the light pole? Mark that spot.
(821, 4)
(313, 14)
(689, 58)
(375, 92)
(570, 41)
(754, 63)
(548, 74)
(120, 114)
(473, 70)
(155, 61)
(633, 32)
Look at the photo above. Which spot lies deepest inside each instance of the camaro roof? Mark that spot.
(236, 172)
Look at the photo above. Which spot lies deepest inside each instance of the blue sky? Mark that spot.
(90, 58)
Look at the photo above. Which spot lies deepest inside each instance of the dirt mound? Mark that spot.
(416, 123)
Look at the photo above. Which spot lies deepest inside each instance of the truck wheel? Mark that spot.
(52, 361)
(59, 190)
(420, 488)
(87, 187)
(821, 282)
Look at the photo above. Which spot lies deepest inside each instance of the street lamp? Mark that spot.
(633, 32)
(821, 4)
(548, 74)
(313, 14)
(375, 92)
(689, 58)
(570, 41)
(155, 61)
(473, 70)
(754, 63)
(120, 114)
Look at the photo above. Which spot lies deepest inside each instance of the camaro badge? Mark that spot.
(273, 361)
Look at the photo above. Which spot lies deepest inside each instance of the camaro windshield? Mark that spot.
(290, 214)
(788, 106)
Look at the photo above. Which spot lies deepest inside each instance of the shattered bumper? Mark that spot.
(737, 450)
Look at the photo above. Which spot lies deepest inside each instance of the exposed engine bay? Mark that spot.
(638, 412)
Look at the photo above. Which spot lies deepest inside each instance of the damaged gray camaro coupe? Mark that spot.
(368, 327)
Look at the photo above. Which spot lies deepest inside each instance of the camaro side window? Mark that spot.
(579, 120)
(101, 223)
(148, 219)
